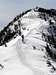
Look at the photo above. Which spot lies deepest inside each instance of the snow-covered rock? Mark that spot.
(27, 57)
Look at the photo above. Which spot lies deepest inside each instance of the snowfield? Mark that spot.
(30, 57)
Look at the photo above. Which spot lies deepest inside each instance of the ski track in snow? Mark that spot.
(20, 58)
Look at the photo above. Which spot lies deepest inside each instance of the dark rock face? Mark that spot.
(50, 38)
(51, 12)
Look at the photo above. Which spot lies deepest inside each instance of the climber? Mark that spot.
(1, 66)
(22, 38)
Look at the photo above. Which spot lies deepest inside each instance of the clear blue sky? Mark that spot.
(10, 8)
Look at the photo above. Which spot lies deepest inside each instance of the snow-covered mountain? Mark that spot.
(28, 43)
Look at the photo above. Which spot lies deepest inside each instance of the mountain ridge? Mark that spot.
(51, 12)
(33, 35)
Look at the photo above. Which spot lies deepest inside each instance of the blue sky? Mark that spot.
(10, 8)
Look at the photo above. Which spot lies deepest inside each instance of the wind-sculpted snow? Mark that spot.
(28, 44)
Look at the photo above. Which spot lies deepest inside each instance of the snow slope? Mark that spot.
(30, 57)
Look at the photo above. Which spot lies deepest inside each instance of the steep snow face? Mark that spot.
(31, 14)
(35, 55)
(28, 55)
